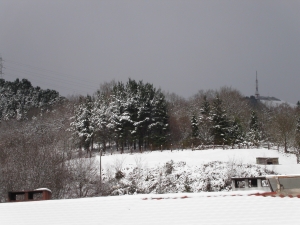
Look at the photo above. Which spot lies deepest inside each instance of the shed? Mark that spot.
(267, 160)
(35, 195)
(250, 183)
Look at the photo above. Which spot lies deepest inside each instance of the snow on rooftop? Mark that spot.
(155, 209)
(43, 189)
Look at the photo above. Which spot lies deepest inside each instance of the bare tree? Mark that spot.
(84, 177)
(284, 124)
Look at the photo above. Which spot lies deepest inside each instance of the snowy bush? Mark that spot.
(177, 177)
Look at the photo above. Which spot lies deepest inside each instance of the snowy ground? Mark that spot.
(287, 162)
(180, 208)
(156, 209)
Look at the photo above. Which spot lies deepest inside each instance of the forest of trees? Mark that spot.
(129, 115)
(42, 132)
(19, 99)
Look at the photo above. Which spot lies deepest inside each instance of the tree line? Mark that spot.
(132, 115)
(40, 148)
(227, 117)
(136, 115)
(20, 100)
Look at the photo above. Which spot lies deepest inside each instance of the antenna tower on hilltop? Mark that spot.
(256, 92)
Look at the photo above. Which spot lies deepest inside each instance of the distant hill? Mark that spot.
(19, 99)
(268, 101)
(274, 101)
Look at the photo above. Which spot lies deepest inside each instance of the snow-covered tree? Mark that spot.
(220, 122)
(235, 133)
(19, 99)
(195, 129)
(135, 114)
(205, 123)
(100, 120)
(82, 123)
(159, 127)
(254, 134)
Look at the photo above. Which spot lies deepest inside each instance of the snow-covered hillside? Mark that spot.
(188, 171)
(287, 162)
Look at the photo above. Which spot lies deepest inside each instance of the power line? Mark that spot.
(62, 80)
(58, 85)
(36, 75)
(41, 69)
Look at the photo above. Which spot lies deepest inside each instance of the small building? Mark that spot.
(250, 183)
(35, 195)
(285, 184)
(267, 160)
(276, 184)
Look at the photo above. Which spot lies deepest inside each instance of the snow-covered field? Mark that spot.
(179, 208)
(287, 162)
(155, 209)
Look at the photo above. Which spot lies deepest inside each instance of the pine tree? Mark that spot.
(142, 113)
(158, 127)
(235, 133)
(254, 135)
(205, 107)
(195, 129)
(118, 114)
(99, 117)
(205, 123)
(82, 125)
(220, 122)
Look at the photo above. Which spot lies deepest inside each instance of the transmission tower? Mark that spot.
(256, 92)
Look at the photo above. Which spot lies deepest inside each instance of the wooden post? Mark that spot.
(100, 150)
(171, 147)
(161, 148)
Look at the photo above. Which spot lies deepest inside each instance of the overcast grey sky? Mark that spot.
(180, 46)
